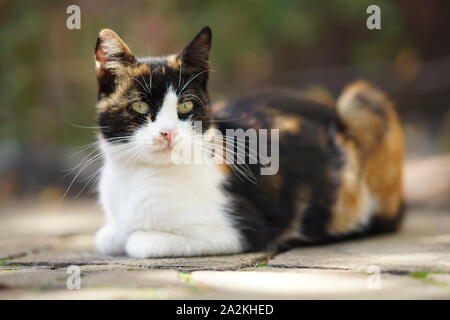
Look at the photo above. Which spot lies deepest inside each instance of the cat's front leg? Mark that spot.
(110, 240)
(153, 244)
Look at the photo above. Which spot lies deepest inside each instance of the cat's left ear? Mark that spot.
(195, 56)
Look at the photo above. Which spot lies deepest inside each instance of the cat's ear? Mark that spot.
(112, 56)
(195, 56)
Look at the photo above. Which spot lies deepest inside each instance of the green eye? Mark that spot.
(140, 107)
(185, 107)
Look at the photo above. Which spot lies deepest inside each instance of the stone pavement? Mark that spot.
(39, 242)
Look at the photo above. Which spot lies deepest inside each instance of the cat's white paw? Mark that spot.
(110, 241)
(154, 244)
(147, 244)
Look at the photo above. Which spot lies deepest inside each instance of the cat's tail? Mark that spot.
(363, 112)
(370, 123)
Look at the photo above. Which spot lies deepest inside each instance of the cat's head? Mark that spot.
(148, 106)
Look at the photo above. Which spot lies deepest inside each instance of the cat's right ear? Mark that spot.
(195, 57)
(112, 56)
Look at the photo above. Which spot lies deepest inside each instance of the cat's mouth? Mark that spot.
(168, 148)
(161, 145)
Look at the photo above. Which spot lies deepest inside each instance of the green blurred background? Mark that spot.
(48, 86)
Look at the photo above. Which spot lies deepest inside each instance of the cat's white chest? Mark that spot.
(185, 201)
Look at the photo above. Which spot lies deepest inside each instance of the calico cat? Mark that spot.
(340, 164)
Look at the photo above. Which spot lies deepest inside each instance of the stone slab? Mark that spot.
(422, 244)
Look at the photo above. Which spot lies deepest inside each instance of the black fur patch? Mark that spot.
(306, 159)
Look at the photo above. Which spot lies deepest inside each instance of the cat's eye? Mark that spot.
(185, 106)
(140, 107)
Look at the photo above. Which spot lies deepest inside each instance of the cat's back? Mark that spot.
(303, 123)
(267, 108)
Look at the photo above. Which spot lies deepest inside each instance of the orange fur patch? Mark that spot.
(289, 123)
(346, 213)
(174, 61)
(384, 169)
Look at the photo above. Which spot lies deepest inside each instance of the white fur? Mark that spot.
(155, 208)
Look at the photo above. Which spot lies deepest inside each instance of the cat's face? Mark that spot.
(147, 107)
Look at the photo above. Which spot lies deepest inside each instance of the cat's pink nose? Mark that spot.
(167, 134)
